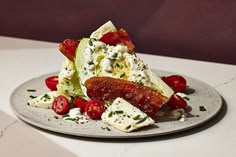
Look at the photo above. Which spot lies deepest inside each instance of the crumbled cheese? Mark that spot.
(44, 100)
(125, 117)
(76, 116)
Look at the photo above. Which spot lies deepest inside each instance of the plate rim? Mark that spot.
(65, 132)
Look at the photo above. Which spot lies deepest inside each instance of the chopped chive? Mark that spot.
(186, 98)
(119, 111)
(46, 96)
(90, 42)
(115, 55)
(117, 65)
(128, 127)
(66, 115)
(142, 120)
(31, 96)
(110, 114)
(108, 129)
(56, 117)
(140, 82)
(31, 90)
(136, 117)
(202, 108)
(68, 118)
(90, 63)
(122, 75)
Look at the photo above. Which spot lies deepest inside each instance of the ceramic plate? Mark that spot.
(199, 93)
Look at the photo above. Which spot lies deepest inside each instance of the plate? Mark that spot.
(199, 93)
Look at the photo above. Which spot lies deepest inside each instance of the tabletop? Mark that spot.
(27, 59)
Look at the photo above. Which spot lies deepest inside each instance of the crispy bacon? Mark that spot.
(107, 88)
(68, 47)
(121, 36)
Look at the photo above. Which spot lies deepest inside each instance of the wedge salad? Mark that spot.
(102, 78)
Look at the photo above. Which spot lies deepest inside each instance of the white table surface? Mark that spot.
(22, 59)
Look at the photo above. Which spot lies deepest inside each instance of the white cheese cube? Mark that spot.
(125, 117)
(43, 101)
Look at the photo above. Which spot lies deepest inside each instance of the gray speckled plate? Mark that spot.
(200, 94)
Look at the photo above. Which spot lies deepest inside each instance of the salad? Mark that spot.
(102, 78)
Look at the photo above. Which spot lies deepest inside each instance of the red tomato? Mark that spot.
(51, 82)
(94, 109)
(80, 103)
(176, 82)
(114, 38)
(177, 102)
(61, 105)
(68, 48)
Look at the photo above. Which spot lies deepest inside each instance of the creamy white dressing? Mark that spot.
(73, 113)
(67, 70)
(134, 69)
(98, 45)
(106, 65)
(116, 52)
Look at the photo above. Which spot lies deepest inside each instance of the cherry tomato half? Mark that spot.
(94, 109)
(51, 82)
(61, 105)
(80, 104)
(177, 102)
(176, 82)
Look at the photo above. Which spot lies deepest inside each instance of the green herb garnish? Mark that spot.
(46, 96)
(31, 90)
(140, 82)
(108, 129)
(68, 118)
(90, 42)
(136, 117)
(90, 63)
(65, 115)
(119, 111)
(202, 108)
(117, 65)
(128, 127)
(115, 55)
(32, 97)
(110, 114)
(186, 98)
(142, 120)
(122, 75)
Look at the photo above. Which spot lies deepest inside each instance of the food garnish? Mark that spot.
(103, 79)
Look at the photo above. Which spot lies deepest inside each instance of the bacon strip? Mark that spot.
(107, 88)
(121, 36)
(68, 48)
